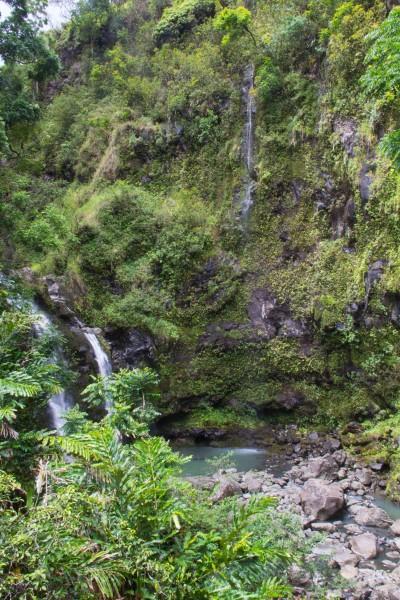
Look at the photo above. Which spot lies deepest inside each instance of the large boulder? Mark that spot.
(227, 487)
(343, 557)
(321, 500)
(371, 517)
(252, 484)
(323, 466)
(365, 545)
(388, 591)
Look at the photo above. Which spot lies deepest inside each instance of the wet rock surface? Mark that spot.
(334, 497)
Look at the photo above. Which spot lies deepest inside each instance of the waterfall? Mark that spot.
(62, 401)
(248, 143)
(101, 357)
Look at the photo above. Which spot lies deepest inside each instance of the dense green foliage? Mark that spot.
(109, 515)
(128, 188)
(122, 175)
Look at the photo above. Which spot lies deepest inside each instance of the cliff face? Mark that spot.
(221, 208)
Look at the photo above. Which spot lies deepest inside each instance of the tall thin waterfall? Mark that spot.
(102, 359)
(62, 401)
(248, 143)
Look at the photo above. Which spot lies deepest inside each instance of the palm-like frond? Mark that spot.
(104, 574)
(19, 385)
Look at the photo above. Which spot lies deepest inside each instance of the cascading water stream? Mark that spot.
(62, 401)
(102, 359)
(248, 143)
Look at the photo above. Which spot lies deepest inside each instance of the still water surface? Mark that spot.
(244, 459)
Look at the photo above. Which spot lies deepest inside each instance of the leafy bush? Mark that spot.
(233, 23)
(268, 80)
(182, 17)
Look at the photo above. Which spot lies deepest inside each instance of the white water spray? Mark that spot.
(102, 359)
(248, 143)
(62, 401)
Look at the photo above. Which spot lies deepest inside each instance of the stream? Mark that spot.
(63, 400)
(254, 459)
(248, 145)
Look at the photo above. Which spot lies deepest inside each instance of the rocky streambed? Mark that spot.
(333, 494)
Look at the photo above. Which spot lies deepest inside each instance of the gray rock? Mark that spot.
(364, 545)
(340, 457)
(328, 527)
(321, 500)
(388, 591)
(376, 466)
(397, 542)
(364, 476)
(372, 517)
(323, 466)
(349, 572)
(252, 484)
(395, 574)
(298, 576)
(395, 528)
(201, 483)
(343, 557)
(227, 487)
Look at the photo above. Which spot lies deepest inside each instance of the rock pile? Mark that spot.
(331, 494)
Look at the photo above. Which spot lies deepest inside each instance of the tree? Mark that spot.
(381, 80)
(27, 58)
(382, 77)
(233, 23)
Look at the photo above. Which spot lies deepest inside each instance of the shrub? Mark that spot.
(182, 17)
(268, 80)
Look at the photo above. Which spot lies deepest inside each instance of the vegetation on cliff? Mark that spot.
(123, 177)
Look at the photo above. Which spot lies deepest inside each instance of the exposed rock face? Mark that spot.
(346, 129)
(131, 348)
(267, 320)
(271, 319)
(374, 274)
(321, 500)
(366, 180)
(364, 545)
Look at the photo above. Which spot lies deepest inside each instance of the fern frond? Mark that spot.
(22, 389)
